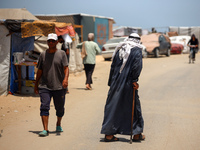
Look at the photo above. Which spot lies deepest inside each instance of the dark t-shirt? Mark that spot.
(195, 42)
(52, 66)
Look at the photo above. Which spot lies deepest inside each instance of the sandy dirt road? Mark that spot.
(170, 100)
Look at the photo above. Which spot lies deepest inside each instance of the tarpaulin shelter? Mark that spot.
(170, 34)
(40, 29)
(10, 42)
(18, 35)
(126, 31)
(186, 31)
(99, 25)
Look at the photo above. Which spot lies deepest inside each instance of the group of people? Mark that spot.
(122, 114)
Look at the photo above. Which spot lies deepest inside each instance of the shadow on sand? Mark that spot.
(50, 132)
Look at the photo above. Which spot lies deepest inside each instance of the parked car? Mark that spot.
(109, 48)
(183, 40)
(176, 48)
(156, 44)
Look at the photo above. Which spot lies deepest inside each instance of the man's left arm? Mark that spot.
(65, 81)
(98, 50)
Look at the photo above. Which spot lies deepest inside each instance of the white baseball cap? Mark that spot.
(52, 36)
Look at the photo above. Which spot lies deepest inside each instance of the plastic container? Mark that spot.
(18, 56)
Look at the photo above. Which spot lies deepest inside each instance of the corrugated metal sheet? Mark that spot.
(88, 26)
(101, 31)
(110, 28)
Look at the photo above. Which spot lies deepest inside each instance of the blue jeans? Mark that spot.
(58, 99)
(193, 52)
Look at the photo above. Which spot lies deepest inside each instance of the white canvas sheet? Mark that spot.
(75, 60)
(4, 60)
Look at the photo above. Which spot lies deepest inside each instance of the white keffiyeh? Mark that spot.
(125, 49)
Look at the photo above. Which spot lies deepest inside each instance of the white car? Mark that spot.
(181, 40)
(109, 48)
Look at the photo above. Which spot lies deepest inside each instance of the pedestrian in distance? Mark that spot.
(64, 46)
(121, 100)
(193, 44)
(66, 49)
(52, 81)
(89, 51)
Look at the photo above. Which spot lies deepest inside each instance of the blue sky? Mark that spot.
(140, 13)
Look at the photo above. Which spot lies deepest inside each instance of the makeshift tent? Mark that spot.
(170, 34)
(40, 30)
(126, 31)
(186, 31)
(16, 14)
(84, 23)
(75, 60)
(10, 45)
(43, 28)
(4, 59)
(11, 41)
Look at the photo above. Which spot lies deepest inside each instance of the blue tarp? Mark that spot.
(19, 44)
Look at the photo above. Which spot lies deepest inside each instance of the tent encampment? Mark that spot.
(12, 43)
(15, 37)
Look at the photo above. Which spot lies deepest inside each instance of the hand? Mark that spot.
(36, 89)
(67, 51)
(65, 84)
(135, 85)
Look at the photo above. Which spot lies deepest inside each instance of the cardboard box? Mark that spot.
(30, 83)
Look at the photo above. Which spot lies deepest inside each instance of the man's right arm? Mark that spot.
(38, 76)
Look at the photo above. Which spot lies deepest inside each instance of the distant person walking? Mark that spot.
(124, 73)
(52, 78)
(65, 46)
(89, 51)
(66, 49)
(193, 44)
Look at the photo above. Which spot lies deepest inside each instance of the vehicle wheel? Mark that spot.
(145, 54)
(168, 52)
(107, 59)
(156, 53)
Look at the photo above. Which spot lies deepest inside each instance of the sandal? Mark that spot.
(88, 88)
(111, 140)
(140, 138)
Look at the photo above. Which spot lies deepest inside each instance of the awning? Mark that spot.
(43, 28)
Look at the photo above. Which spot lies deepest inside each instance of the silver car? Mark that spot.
(109, 48)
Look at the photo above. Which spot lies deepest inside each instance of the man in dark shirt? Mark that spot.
(52, 78)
